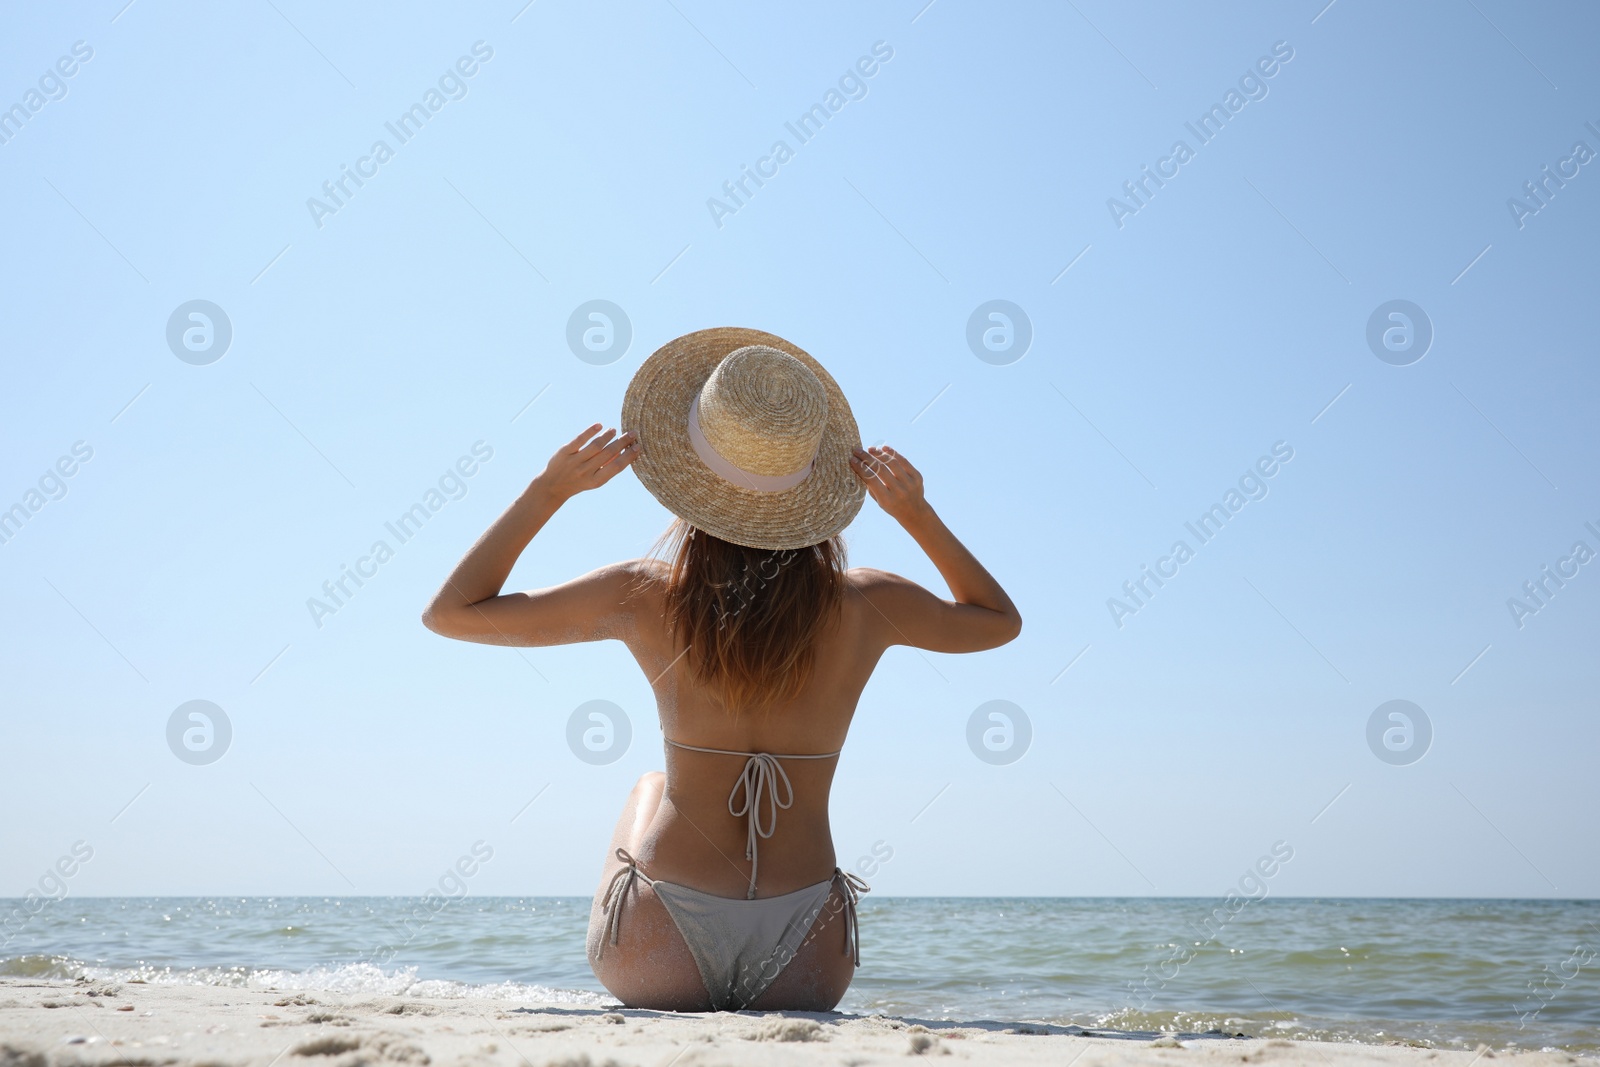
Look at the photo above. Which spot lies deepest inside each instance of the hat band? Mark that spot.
(732, 472)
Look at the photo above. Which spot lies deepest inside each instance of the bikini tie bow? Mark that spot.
(761, 778)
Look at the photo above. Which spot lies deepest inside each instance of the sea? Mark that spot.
(1438, 973)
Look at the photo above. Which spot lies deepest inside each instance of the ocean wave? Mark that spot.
(48, 967)
(345, 978)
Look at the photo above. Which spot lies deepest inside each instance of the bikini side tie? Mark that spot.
(616, 893)
(851, 887)
(761, 777)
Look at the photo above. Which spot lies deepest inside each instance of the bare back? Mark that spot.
(693, 839)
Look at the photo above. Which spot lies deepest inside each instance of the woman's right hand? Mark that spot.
(587, 462)
(893, 482)
(470, 605)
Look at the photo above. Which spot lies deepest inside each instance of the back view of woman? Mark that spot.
(720, 889)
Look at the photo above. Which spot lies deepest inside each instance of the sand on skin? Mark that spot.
(61, 1024)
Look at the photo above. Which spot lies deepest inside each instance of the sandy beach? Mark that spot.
(54, 1024)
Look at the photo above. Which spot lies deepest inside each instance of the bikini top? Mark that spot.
(761, 778)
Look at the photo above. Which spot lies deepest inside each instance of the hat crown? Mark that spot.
(764, 411)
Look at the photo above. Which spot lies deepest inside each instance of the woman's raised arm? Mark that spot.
(980, 615)
(469, 605)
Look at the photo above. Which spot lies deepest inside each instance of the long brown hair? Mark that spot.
(749, 617)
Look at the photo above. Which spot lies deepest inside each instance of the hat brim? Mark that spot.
(656, 408)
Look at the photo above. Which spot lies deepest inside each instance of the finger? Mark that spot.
(867, 473)
(881, 465)
(611, 451)
(616, 466)
(874, 490)
(906, 465)
(623, 460)
(872, 453)
(595, 445)
(577, 442)
(902, 466)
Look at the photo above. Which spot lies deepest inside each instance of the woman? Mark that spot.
(720, 889)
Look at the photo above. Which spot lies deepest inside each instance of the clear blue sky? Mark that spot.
(1226, 314)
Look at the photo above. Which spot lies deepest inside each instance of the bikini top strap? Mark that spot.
(773, 755)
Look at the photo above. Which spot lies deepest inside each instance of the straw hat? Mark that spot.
(745, 436)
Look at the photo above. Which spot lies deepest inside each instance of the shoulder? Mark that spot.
(890, 594)
(645, 568)
(637, 577)
(623, 584)
(623, 598)
(883, 605)
(871, 580)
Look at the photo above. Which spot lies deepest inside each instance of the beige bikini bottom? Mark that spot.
(740, 946)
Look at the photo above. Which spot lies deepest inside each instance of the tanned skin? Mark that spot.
(676, 823)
